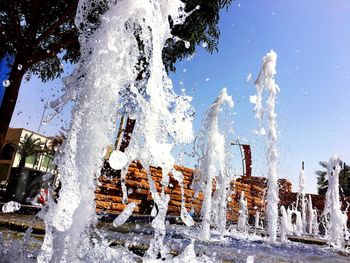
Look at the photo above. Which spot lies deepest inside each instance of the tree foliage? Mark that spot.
(27, 147)
(344, 179)
(43, 33)
(39, 35)
(200, 27)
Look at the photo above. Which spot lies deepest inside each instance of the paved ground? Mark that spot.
(22, 221)
(137, 234)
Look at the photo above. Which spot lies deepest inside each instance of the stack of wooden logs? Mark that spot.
(254, 189)
(109, 193)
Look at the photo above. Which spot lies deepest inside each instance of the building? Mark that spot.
(9, 158)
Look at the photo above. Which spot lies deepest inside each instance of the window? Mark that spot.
(31, 159)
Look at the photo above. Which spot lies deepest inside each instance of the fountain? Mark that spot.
(335, 218)
(266, 80)
(126, 47)
(243, 214)
(212, 160)
(312, 220)
(285, 225)
(130, 32)
(257, 220)
(301, 197)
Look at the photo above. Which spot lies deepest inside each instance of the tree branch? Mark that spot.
(66, 15)
(33, 21)
(15, 21)
(42, 55)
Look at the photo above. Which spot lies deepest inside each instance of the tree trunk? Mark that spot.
(22, 163)
(9, 101)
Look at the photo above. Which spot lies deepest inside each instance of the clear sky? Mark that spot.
(4, 70)
(312, 40)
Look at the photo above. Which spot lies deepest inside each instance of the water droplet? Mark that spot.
(6, 83)
(19, 66)
(249, 77)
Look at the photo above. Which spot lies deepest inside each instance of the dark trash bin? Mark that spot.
(24, 183)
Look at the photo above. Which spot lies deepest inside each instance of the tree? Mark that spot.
(27, 147)
(322, 183)
(344, 179)
(39, 35)
(200, 27)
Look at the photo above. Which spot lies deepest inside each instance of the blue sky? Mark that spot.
(4, 71)
(312, 40)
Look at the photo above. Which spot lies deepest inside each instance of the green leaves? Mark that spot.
(200, 27)
(38, 32)
(27, 147)
(344, 179)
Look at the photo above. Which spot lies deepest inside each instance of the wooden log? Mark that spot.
(103, 204)
(139, 174)
(258, 188)
(133, 169)
(109, 186)
(141, 184)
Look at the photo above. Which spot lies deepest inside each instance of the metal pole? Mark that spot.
(120, 133)
(242, 155)
(302, 165)
(42, 116)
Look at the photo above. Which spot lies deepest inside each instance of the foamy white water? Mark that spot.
(104, 85)
(210, 147)
(257, 220)
(266, 80)
(312, 218)
(11, 207)
(242, 224)
(335, 218)
(301, 197)
(285, 225)
(123, 217)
